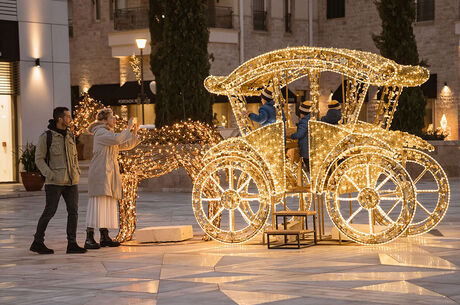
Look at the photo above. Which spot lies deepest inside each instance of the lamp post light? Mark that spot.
(141, 45)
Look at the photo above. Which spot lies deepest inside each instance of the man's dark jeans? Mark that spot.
(53, 194)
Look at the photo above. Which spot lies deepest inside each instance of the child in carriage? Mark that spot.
(302, 130)
(333, 114)
(267, 112)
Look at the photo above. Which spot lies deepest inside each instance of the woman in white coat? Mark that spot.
(104, 178)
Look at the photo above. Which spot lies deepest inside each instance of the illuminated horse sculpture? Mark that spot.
(160, 152)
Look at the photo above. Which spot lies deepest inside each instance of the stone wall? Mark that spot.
(91, 58)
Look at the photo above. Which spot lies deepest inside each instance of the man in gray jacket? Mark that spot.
(56, 158)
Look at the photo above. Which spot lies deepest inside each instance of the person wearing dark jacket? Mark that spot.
(302, 130)
(267, 112)
(333, 114)
(62, 175)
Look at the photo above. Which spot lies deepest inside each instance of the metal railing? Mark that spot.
(220, 17)
(131, 18)
(260, 20)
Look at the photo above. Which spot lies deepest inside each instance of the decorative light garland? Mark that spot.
(237, 181)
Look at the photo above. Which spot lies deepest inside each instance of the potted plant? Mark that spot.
(31, 177)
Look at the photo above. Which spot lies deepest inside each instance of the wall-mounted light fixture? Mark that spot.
(37, 62)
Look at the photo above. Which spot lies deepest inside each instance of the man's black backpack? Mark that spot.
(49, 138)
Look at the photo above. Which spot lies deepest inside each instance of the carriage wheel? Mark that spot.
(244, 198)
(365, 186)
(432, 203)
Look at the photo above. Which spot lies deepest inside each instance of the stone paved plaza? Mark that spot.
(422, 270)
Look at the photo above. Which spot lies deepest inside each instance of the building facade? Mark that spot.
(104, 33)
(34, 73)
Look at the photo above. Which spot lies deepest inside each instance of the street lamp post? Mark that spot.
(141, 45)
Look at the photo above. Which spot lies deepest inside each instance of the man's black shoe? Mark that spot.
(40, 248)
(73, 247)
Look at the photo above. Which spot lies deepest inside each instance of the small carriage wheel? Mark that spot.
(426, 217)
(244, 199)
(377, 185)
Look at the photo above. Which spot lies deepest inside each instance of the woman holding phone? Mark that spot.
(104, 178)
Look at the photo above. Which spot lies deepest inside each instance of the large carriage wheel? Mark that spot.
(244, 198)
(431, 188)
(364, 186)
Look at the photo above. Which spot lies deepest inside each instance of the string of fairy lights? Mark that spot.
(361, 168)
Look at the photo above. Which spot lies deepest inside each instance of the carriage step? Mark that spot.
(295, 213)
(289, 245)
(288, 232)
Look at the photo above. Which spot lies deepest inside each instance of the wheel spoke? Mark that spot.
(423, 208)
(390, 198)
(250, 197)
(368, 178)
(353, 215)
(421, 175)
(230, 178)
(245, 217)
(210, 199)
(247, 208)
(347, 199)
(427, 191)
(386, 193)
(382, 183)
(231, 219)
(393, 206)
(385, 214)
(216, 183)
(352, 182)
(248, 179)
(371, 221)
(217, 214)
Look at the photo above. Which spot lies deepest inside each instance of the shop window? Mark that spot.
(425, 10)
(221, 114)
(335, 9)
(135, 110)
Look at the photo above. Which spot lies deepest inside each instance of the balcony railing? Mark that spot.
(220, 17)
(131, 18)
(260, 20)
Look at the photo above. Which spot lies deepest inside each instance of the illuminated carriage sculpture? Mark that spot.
(360, 168)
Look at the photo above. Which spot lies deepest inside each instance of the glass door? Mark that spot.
(7, 143)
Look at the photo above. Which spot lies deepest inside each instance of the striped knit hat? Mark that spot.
(304, 108)
(333, 105)
(267, 94)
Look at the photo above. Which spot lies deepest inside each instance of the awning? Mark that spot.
(113, 94)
